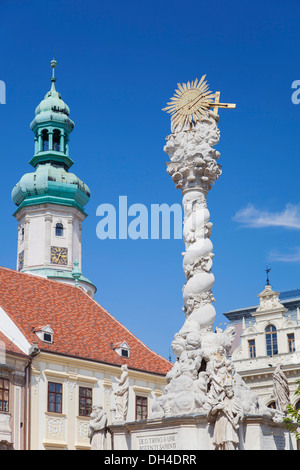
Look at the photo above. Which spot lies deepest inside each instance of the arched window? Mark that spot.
(56, 140)
(271, 340)
(59, 230)
(272, 405)
(45, 140)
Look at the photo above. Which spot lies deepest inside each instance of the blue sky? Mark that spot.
(118, 65)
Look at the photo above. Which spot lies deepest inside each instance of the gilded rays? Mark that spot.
(190, 102)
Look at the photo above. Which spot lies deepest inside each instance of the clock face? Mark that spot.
(59, 255)
(21, 260)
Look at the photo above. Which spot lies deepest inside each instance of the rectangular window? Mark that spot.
(291, 342)
(141, 408)
(85, 401)
(4, 394)
(55, 397)
(271, 343)
(252, 350)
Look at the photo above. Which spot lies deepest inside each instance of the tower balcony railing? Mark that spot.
(51, 156)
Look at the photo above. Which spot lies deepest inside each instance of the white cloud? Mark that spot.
(255, 218)
(287, 257)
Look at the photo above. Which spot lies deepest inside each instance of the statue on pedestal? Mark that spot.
(281, 390)
(122, 395)
(229, 413)
(198, 380)
(97, 428)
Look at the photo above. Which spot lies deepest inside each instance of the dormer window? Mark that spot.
(59, 230)
(45, 334)
(123, 350)
(47, 337)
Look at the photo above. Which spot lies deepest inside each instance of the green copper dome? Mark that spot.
(50, 184)
(52, 108)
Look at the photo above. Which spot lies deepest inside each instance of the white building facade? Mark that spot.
(268, 335)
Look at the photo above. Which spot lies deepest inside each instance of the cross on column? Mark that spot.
(217, 103)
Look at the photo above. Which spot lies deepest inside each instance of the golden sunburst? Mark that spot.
(190, 102)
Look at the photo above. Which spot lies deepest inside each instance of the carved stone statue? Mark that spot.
(219, 369)
(97, 428)
(122, 395)
(229, 414)
(281, 389)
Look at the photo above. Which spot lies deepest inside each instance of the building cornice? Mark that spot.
(113, 369)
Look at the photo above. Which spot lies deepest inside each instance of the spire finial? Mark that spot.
(267, 271)
(53, 64)
(76, 273)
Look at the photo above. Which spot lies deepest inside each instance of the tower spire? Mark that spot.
(53, 64)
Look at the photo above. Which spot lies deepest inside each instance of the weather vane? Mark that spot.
(191, 102)
(267, 271)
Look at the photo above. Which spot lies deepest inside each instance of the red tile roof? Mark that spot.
(82, 328)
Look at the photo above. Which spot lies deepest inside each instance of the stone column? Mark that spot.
(62, 141)
(50, 137)
(36, 144)
(40, 141)
(194, 169)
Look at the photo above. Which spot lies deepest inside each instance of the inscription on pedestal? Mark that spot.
(273, 442)
(157, 442)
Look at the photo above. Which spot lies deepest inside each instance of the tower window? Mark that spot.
(45, 139)
(56, 140)
(59, 230)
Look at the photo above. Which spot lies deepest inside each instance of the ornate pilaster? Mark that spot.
(48, 225)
